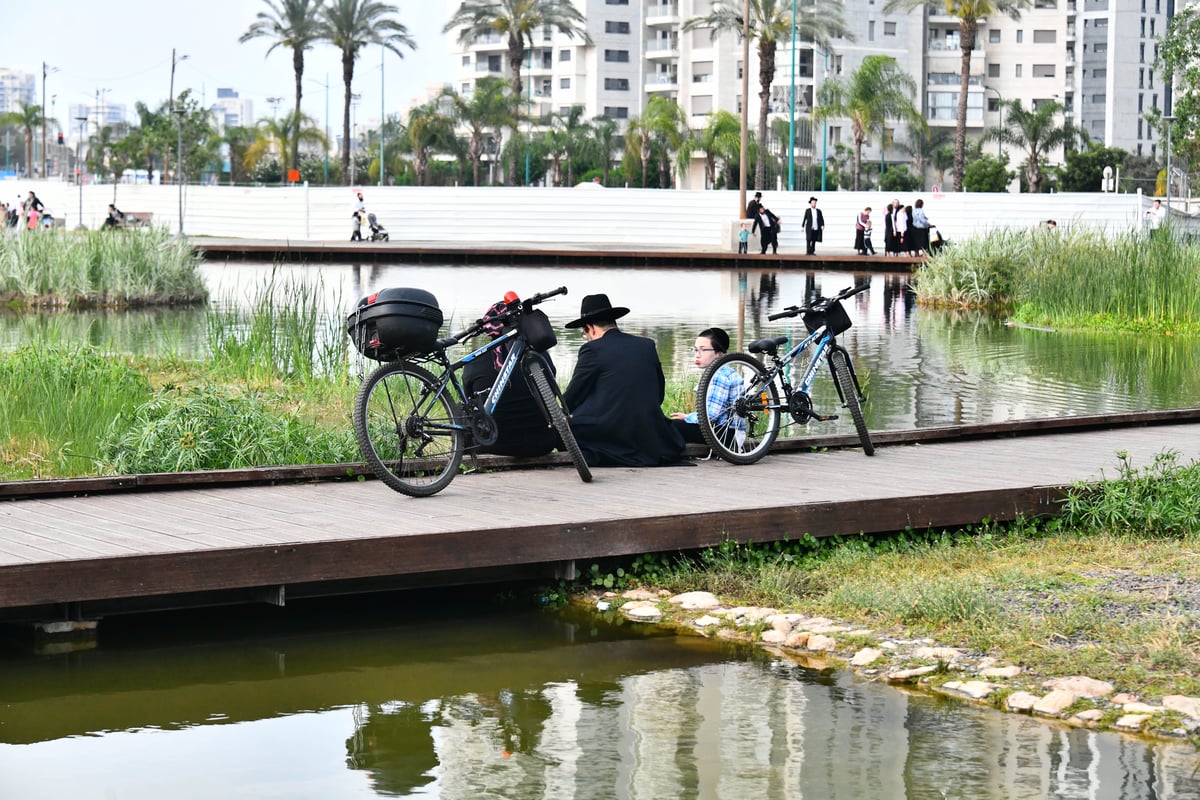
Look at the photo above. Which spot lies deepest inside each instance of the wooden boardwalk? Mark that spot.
(84, 557)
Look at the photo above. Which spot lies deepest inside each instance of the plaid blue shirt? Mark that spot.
(725, 388)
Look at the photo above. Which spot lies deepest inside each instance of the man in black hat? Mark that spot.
(753, 206)
(616, 393)
(814, 224)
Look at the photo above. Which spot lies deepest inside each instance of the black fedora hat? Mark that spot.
(596, 308)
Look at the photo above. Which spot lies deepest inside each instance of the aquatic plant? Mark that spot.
(99, 268)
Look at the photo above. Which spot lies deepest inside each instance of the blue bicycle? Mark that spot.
(413, 426)
(738, 401)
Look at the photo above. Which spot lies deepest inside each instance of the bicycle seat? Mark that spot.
(768, 346)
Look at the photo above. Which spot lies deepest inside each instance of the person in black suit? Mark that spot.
(522, 428)
(616, 393)
(814, 225)
(769, 223)
(753, 206)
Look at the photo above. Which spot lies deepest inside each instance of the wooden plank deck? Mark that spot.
(74, 557)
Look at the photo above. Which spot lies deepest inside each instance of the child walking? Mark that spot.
(743, 239)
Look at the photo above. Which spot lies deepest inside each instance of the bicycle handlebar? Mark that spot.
(515, 306)
(820, 304)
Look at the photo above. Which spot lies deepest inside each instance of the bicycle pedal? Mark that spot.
(828, 418)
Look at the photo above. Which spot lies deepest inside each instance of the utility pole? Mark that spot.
(46, 70)
(171, 106)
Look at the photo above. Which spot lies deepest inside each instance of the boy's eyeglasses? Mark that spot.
(698, 350)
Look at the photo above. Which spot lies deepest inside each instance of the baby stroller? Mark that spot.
(378, 232)
(936, 241)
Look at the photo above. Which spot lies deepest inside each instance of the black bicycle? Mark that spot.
(738, 398)
(413, 426)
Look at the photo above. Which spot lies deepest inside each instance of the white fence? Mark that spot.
(586, 215)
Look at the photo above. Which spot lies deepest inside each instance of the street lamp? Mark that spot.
(382, 115)
(179, 113)
(171, 104)
(1000, 108)
(79, 167)
(352, 145)
(326, 85)
(792, 108)
(45, 161)
(274, 102)
(1170, 120)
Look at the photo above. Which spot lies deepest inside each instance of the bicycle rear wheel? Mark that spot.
(552, 401)
(738, 408)
(840, 366)
(410, 439)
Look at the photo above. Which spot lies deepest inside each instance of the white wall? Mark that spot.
(502, 216)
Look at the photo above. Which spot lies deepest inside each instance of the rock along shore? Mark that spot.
(893, 658)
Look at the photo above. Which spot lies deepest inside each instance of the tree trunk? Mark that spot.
(858, 145)
(516, 57)
(967, 29)
(766, 74)
(298, 69)
(347, 81)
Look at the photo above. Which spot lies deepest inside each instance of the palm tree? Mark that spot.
(817, 21)
(1036, 133)
(720, 139)
(519, 20)
(922, 147)
(239, 139)
(295, 24)
(488, 108)
(577, 138)
(351, 25)
(876, 92)
(660, 130)
(969, 13)
(429, 131)
(28, 117)
(284, 134)
(606, 139)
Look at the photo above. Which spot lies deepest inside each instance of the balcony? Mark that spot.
(659, 14)
(663, 82)
(662, 48)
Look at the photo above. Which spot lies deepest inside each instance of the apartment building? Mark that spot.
(1096, 58)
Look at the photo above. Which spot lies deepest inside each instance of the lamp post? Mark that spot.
(382, 116)
(79, 167)
(745, 108)
(1170, 120)
(1000, 108)
(274, 102)
(824, 124)
(46, 70)
(171, 106)
(792, 110)
(352, 145)
(179, 114)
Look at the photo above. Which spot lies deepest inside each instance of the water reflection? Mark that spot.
(523, 706)
(920, 367)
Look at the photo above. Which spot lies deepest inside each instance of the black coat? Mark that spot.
(615, 398)
(758, 223)
(817, 232)
(752, 209)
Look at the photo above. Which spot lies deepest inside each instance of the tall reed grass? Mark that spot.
(282, 333)
(1078, 279)
(107, 268)
(56, 405)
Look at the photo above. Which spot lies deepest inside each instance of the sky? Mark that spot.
(125, 48)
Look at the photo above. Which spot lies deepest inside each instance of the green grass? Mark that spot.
(99, 268)
(1084, 279)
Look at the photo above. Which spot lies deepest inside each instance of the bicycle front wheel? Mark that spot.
(408, 436)
(840, 366)
(551, 400)
(737, 405)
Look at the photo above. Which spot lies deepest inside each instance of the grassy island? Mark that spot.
(1081, 279)
(107, 269)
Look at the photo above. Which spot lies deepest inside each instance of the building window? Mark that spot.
(1043, 71)
(565, 83)
(1152, 28)
(616, 84)
(1044, 4)
(465, 90)
(993, 36)
(1100, 23)
(466, 61)
(1141, 52)
(564, 55)
(1017, 72)
(616, 27)
(1020, 36)
(870, 31)
(619, 56)
(1099, 99)
(835, 134)
(702, 104)
(493, 64)
(943, 106)
(889, 29)
(1139, 127)
(1100, 72)
(616, 2)
(993, 104)
(1141, 102)
(616, 112)
(1045, 37)
(993, 70)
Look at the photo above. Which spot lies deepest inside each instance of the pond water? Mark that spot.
(921, 367)
(411, 698)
